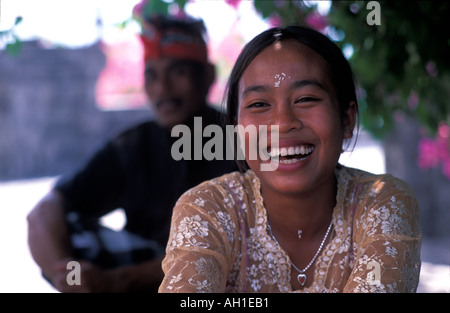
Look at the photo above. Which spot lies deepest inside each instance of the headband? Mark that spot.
(172, 41)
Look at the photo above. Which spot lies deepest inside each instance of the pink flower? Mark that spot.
(413, 100)
(233, 3)
(428, 153)
(120, 83)
(443, 148)
(444, 130)
(275, 20)
(138, 9)
(433, 152)
(431, 69)
(317, 21)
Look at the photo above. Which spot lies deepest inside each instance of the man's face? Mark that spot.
(175, 90)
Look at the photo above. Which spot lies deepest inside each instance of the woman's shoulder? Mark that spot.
(222, 190)
(380, 200)
(373, 185)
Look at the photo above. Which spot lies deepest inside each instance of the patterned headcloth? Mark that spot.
(170, 36)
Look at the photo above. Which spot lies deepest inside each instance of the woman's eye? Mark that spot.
(258, 105)
(306, 99)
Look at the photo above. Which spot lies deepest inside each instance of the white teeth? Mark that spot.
(276, 152)
(289, 161)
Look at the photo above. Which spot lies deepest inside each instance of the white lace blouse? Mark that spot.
(219, 240)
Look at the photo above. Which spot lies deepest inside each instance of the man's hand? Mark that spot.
(92, 278)
(146, 276)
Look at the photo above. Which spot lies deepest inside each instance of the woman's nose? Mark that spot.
(286, 118)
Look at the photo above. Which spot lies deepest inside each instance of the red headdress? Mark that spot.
(170, 36)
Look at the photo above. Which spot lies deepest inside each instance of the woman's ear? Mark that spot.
(350, 119)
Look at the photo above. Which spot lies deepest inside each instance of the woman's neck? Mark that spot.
(310, 212)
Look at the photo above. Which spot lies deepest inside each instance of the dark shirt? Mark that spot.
(136, 172)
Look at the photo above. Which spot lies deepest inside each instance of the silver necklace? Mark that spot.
(301, 277)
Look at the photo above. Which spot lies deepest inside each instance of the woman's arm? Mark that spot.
(387, 240)
(200, 248)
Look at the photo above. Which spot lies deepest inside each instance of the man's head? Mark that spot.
(177, 72)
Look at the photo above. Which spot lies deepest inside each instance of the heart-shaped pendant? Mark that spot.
(301, 279)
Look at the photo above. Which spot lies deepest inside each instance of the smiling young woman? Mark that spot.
(310, 225)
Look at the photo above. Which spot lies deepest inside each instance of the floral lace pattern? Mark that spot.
(219, 241)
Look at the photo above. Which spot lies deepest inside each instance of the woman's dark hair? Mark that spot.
(340, 71)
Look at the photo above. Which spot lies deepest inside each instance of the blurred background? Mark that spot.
(71, 77)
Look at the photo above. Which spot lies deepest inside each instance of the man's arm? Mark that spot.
(144, 277)
(49, 245)
(47, 233)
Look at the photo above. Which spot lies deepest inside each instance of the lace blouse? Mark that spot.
(219, 240)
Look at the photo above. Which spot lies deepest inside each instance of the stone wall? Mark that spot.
(49, 120)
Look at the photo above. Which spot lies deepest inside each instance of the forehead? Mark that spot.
(291, 58)
(166, 63)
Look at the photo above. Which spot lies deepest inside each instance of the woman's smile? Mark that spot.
(290, 157)
(305, 109)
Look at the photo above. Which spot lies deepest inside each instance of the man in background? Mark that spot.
(133, 171)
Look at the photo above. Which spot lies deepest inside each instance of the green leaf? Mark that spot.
(18, 20)
(265, 7)
(156, 6)
(14, 48)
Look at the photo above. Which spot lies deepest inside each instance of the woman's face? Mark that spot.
(289, 85)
